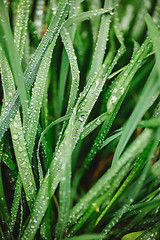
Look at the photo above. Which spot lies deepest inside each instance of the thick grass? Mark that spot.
(80, 123)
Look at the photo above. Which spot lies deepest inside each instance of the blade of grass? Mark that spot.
(150, 89)
(101, 42)
(74, 68)
(23, 10)
(65, 189)
(153, 122)
(36, 99)
(85, 16)
(65, 60)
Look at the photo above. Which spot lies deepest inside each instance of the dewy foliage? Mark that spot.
(80, 119)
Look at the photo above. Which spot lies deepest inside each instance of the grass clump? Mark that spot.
(80, 123)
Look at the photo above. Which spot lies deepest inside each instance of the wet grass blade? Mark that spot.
(141, 107)
(20, 32)
(37, 98)
(74, 68)
(85, 16)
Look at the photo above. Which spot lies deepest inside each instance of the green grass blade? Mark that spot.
(11, 54)
(155, 35)
(101, 42)
(149, 91)
(93, 125)
(20, 32)
(65, 189)
(153, 122)
(85, 16)
(111, 138)
(36, 99)
(65, 61)
(74, 68)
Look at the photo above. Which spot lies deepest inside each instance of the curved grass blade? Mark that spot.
(85, 16)
(144, 160)
(150, 90)
(7, 43)
(30, 73)
(50, 182)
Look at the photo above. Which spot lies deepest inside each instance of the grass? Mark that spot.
(80, 119)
